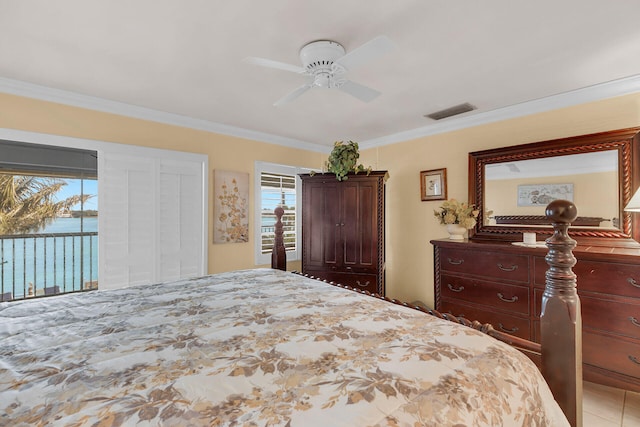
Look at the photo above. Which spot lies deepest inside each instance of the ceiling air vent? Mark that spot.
(451, 111)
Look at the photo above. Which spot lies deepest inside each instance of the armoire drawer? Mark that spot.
(502, 296)
(364, 282)
(614, 354)
(501, 322)
(503, 266)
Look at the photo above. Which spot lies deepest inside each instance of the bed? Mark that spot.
(256, 347)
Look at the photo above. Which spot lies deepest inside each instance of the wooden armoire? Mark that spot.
(343, 229)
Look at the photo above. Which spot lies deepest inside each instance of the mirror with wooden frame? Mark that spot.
(512, 186)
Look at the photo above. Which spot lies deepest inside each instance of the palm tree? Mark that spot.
(28, 203)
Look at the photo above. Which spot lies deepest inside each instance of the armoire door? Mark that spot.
(359, 225)
(321, 224)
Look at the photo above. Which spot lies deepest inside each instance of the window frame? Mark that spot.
(159, 156)
(275, 168)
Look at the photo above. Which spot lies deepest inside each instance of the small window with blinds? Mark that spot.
(277, 190)
(278, 185)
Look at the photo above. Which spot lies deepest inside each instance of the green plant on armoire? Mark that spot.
(343, 159)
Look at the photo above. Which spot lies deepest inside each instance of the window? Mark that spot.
(277, 185)
(153, 212)
(49, 223)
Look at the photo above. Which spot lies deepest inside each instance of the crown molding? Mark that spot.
(597, 92)
(30, 90)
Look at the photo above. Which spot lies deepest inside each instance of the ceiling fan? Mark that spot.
(326, 62)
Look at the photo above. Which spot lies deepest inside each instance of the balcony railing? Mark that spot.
(33, 265)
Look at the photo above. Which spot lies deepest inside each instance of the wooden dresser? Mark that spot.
(502, 284)
(343, 229)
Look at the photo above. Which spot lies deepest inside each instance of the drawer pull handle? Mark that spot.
(455, 261)
(632, 281)
(512, 299)
(361, 285)
(507, 330)
(634, 360)
(634, 321)
(454, 289)
(503, 268)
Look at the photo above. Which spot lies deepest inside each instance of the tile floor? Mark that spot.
(609, 407)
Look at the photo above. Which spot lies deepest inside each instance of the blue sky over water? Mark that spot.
(73, 187)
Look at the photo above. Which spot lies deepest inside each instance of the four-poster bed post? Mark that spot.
(560, 319)
(278, 252)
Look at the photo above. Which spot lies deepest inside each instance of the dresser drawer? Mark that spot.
(614, 354)
(364, 282)
(496, 295)
(609, 278)
(501, 322)
(504, 266)
(618, 317)
(596, 276)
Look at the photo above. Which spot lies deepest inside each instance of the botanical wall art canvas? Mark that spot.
(230, 207)
(543, 194)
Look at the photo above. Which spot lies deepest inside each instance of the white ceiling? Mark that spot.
(183, 60)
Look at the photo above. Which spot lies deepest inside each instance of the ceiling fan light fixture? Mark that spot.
(451, 111)
(322, 79)
(320, 54)
(325, 62)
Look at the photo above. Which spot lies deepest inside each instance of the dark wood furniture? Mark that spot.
(625, 143)
(503, 284)
(343, 229)
(586, 221)
(279, 252)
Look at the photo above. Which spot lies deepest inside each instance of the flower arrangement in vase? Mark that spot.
(457, 216)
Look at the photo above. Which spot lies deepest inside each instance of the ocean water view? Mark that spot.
(64, 260)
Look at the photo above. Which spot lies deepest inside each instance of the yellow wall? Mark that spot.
(501, 195)
(410, 222)
(224, 152)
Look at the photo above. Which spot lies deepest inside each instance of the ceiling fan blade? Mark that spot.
(292, 95)
(263, 62)
(363, 93)
(365, 53)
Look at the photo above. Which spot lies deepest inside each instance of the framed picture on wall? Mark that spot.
(433, 184)
(230, 206)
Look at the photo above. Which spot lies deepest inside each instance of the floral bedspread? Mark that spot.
(255, 348)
